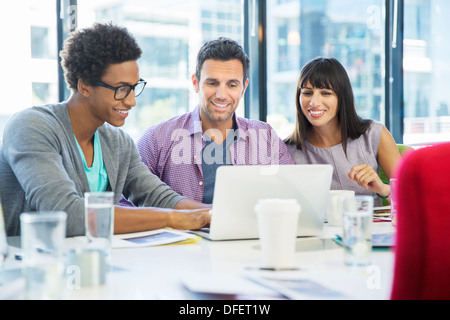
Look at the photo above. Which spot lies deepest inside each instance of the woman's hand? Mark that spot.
(367, 178)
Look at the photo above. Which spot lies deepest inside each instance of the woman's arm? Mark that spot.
(388, 154)
(388, 157)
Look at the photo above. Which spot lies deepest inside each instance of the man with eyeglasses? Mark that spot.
(51, 155)
(186, 150)
(122, 92)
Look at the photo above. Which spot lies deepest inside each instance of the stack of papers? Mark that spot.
(153, 238)
(260, 285)
(297, 287)
(382, 213)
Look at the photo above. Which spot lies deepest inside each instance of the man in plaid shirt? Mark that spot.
(185, 151)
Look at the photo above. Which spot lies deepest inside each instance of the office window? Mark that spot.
(42, 43)
(28, 56)
(170, 34)
(300, 30)
(426, 71)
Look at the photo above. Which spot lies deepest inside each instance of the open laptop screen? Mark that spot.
(238, 188)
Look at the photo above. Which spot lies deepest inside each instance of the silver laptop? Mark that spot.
(238, 188)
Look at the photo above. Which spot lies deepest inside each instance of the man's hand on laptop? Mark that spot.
(190, 219)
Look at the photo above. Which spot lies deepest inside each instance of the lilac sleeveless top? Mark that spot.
(363, 150)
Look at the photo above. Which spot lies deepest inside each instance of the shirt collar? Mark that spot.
(195, 126)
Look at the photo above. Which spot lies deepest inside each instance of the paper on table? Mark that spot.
(226, 284)
(382, 208)
(152, 238)
(382, 211)
(296, 286)
(263, 285)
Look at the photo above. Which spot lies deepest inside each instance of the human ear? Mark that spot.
(195, 82)
(84, 88)
(245, 87)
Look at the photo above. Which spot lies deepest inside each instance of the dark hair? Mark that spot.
(328, 73)
(224, 49)
(87, 53)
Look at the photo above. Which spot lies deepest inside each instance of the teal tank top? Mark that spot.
(96, 174)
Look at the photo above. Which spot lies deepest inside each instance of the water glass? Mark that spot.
(42, 239)
(3, 242)
(393, 185)
(358, 216)
(99, 220)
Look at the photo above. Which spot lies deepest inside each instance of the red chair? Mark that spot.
(422, 251)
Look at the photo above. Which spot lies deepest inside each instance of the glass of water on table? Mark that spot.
(43, 242)
(99, 220)
(357, 223)
(3, 243)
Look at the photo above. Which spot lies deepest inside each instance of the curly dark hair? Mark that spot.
(88, 52)
(223, 49)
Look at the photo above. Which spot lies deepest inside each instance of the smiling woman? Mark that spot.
(319, 105)
(329, 131)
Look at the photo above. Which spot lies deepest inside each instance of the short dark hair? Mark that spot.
(224, 49)
(328, 73)
(88, 52)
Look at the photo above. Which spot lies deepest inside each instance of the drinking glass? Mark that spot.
(358, 216)
(99, 220)
(393, 185)
(43, 243)
(3, 242)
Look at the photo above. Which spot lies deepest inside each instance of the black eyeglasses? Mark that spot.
(120, 93)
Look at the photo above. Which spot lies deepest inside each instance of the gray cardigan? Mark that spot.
(41, 169)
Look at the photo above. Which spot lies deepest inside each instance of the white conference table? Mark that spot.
(219, 270)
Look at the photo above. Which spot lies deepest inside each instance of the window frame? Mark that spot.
(66, 22)
(394, 102)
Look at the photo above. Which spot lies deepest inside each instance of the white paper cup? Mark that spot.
(277, 227)
(335, 206)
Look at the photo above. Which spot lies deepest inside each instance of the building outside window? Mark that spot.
(426, 71)
(170, 34)
(300, 30)
(354, 33)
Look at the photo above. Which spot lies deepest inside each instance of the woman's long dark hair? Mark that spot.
(328, 73)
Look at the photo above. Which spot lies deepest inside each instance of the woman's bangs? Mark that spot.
(317, 79)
